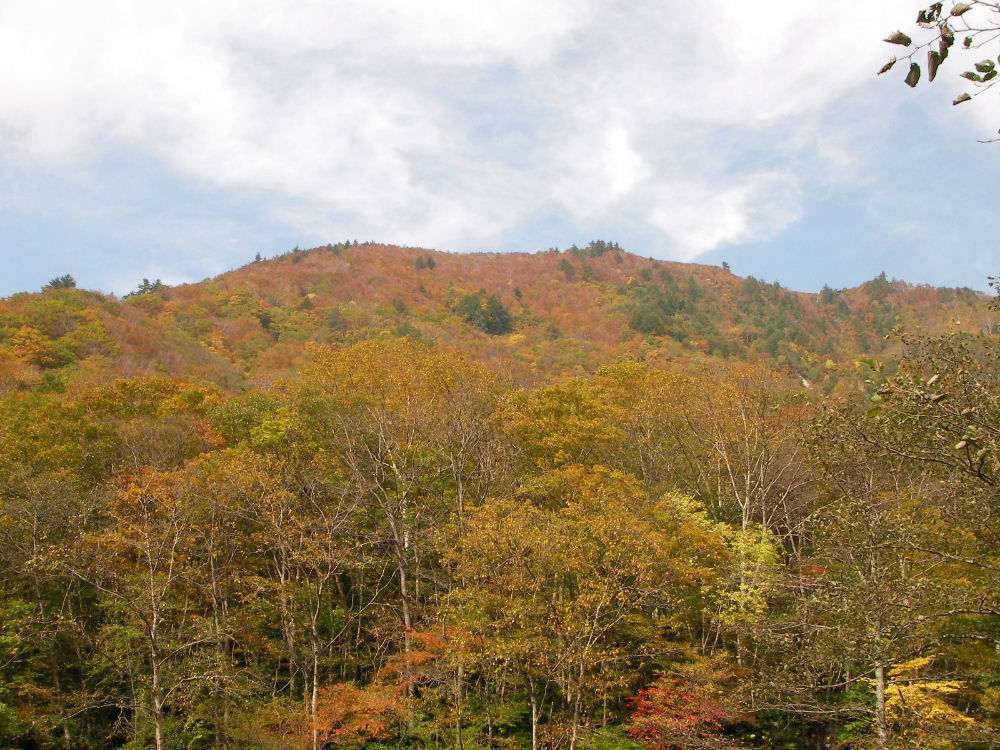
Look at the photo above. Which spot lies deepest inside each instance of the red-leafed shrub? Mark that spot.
(675, 714)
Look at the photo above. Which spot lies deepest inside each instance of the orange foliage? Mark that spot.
(349, 715)
(570, 308)
(30, 345)
(16, 373)
(404, 668)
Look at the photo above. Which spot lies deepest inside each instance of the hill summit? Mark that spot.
(528, 316)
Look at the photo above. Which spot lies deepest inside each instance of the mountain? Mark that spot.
(528, 316)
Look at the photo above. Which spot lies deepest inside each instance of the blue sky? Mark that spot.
(176, 140)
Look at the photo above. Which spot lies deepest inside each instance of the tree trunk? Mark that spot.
(156, 699)
(576, 709)
(57, 684)
(881, 731)
(459, 678)
(404, 604)
(534, 717)
(314, 696)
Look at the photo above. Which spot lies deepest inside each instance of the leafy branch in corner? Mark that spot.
(977, 23)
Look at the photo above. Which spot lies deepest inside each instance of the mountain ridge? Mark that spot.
(569, 312)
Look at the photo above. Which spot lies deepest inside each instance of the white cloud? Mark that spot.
(625, 167)
(380, 110)
(700, 216)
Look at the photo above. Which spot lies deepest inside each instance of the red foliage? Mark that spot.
(812, 573)
(673, 714)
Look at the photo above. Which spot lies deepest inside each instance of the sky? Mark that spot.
(176, 140)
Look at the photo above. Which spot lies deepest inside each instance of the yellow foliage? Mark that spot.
(918, 703)
(564, 424)
(30, 345)
(742, 596)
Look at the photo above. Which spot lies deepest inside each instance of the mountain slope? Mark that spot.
(552, 312)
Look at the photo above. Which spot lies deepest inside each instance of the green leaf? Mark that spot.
(876, 399)
(913, 77)
(898, 37)
(933, 61)
(873, 412)
(961, 8)
(984, 66)
(887, 66)
(972, 76)
(961, 98)
(990, 76)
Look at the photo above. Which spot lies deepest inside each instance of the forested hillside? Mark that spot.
(387, 497)
(527, 316)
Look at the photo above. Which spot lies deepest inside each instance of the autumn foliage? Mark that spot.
(349, 715)
(330, 500)
(674, 714)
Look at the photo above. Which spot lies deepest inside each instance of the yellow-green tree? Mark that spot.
(565, 601)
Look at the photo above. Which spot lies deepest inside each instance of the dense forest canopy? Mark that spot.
(300, 507)
(527, 316)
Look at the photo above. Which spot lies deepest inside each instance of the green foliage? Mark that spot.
(14, 618)
(609, 738)
(406, 329)
(61, 282)
(597, 248)
(568, 269)
(878, 288)
(335, 319)
(487, 313)
(236, 418)
(944, 404)
(654, 308)
(146, 287)
(51, 383)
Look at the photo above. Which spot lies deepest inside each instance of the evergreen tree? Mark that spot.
(488, 314)
(61, 282)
